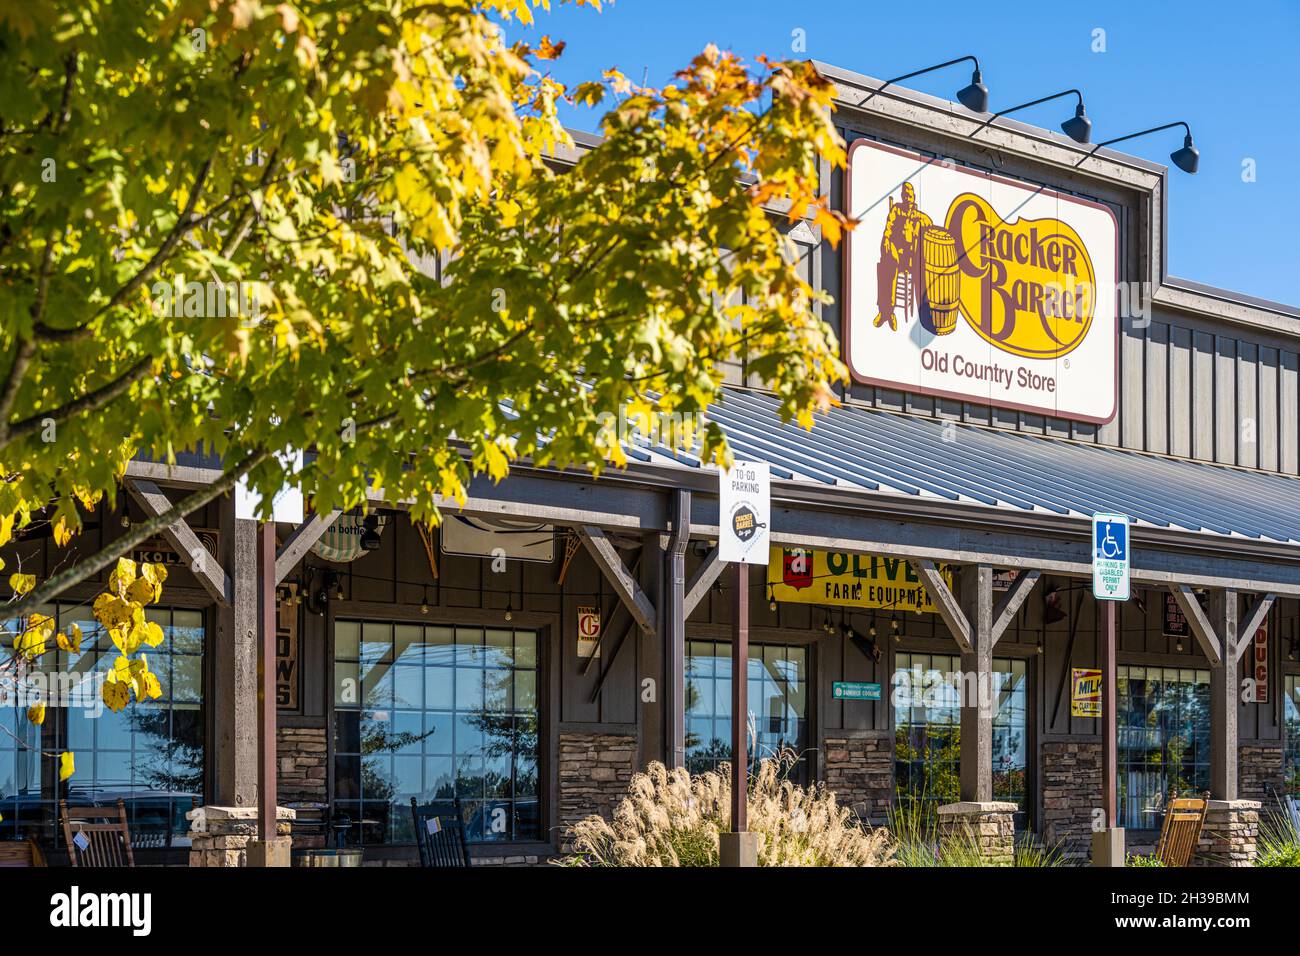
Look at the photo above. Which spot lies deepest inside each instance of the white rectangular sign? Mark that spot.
(976, 287)
(744, 512)
(1110, 557)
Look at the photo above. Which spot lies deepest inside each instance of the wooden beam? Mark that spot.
(976, 768)
(702, 580)
(180, 536)
(300, 542)
(1009, 605)
(1253, 619)
(1199, 623)
(625, 585)
(1225, 698)
(944, 601)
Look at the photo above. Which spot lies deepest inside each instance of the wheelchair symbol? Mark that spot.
(1108, 546)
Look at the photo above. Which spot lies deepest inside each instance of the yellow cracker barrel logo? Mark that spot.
(1025, 286)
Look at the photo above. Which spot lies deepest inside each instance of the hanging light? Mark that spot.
(370, 536)
(424, 600)
(771, 598)
(975, 96)
(1078, 127)
(510, 611)
(1188, 158)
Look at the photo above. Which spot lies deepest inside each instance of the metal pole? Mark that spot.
(266, 781)
(740, 699)
(1109, 783)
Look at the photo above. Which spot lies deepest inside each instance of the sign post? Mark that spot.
(744, 518)
(1110, 583)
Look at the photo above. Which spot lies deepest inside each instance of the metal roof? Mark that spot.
(907, 455)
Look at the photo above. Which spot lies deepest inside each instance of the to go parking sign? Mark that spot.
(1110, 557)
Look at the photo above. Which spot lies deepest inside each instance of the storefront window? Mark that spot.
(1164, 739)
(150, 754)
(927, 728)
(1291, 705)
(439, 714)
(778, 702)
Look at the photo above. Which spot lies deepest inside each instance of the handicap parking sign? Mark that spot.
(1110, 562)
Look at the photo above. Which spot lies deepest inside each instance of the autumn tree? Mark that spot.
(249, 227)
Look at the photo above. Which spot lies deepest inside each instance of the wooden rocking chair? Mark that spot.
(105, 835)
(1184, 818)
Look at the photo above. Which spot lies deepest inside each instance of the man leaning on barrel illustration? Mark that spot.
(899, 255)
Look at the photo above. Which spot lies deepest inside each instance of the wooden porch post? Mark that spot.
(234, 668)
(1224, 700)
(976, 589)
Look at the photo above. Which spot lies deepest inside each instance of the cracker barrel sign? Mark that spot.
(975, 287)
(806, 576)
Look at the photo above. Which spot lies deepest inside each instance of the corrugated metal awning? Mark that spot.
(896, 454)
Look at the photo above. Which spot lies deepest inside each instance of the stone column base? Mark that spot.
(1230, 836)
(990, 825)
(220, 836)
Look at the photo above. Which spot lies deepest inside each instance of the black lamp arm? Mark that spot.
(937, 66)
(1024, 106)
(1153, 129)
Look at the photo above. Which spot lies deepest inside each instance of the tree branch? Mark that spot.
(106, 555)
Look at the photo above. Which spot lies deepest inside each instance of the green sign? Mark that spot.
(855, 690)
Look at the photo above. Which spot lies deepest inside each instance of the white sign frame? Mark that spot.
(961, 364)
(744, 503)
(1111, 557)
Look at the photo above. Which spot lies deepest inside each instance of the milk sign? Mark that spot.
(744, 512)
(1110, 557)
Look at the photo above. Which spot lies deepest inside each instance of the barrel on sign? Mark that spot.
(942, 290)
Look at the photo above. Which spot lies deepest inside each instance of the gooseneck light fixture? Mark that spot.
(1078, 127)
(975, 96)
(1188, 158)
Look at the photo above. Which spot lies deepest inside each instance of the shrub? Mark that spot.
(670, 818)
(1279, 841)
(913, 823)
(1138, 859)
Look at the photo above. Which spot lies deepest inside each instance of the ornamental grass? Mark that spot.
(673, 818)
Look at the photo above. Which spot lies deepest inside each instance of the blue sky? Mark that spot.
(1231, 71)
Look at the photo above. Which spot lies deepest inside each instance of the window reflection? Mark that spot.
(927, 728)
(151, 754)
(1163, 741)
(437, 713)
(1291, 706)
(777, 676)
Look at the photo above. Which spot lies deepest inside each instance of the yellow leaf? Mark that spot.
(153, 634)
(116, 695)
(62, 533)
(36, 713)
(149, 684)
(67, 765)
(6, 529)
(22, 583)
(141, 591)
(70, 642)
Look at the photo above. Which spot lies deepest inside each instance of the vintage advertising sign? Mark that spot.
(286, 648)
(1259, 662)
(1174, 623)
(1085, 692)
(1110, 557)
(160, 551)
(805, 576)
(588, 631)
(971, 286)
(744, 512)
